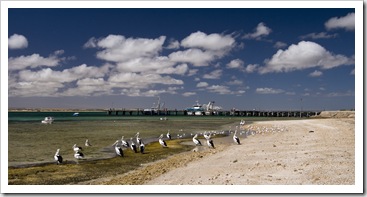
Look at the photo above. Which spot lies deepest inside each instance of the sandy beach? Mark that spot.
(292, 152)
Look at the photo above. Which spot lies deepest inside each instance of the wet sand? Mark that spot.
(294, 152)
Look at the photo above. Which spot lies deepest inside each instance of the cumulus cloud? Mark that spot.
(187, 94)
(17, 41)
(174, 44)
(315, 73)
(220, 89)
(202, 84)
(196, 57)
(117, 48)
(279, 45)
(321, 35)
(302, 56)
(261, 31)
(32, 61)
(216, 74)
(208, 42)
(346, 22)
(236, 64)
(268, 91)
(251, 68)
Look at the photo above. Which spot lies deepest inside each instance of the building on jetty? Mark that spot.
(232, 112)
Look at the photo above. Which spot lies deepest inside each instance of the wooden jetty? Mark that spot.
(243, 113)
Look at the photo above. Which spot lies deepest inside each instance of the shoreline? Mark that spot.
(301, 154)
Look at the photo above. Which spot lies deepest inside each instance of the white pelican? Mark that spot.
(169, 135)
(87, 143)
(138, 139)
(142, 148)
(77, 148)
(133, 145)
(196, 141)
(78, 155)
(124, 143)
(206, 135)
(58, 157)
(118, 149)
(162, 142)
(210, 143)
(235, 138)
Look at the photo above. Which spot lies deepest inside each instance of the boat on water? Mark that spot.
(196, 110)
(48, 120)
(76, 114)
(154, 110)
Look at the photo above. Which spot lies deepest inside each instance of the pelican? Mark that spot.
(196, 141)
(235, 138)
(118, 149)
(138, 139)
(87, 143)
(133, 145)
(207, 136)
(78, 155)
(161, 141)
(210, 143)
(142, 148)
(77, 148)
(58, 157)
(124, 143)
(169, 135)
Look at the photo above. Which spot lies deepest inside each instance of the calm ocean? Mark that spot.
(59, 116)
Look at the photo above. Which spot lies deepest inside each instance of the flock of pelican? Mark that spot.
(139, 146)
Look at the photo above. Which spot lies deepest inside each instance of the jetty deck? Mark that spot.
(244, 113)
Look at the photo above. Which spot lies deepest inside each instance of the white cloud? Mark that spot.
(279, 45)
(235, 82)
(187, 94)
(251, 68)
(302, 56)
(174, 44)
(196, 57)
(321, 35)
(208, 42)
(268, 91)
(202, 84)
(220, 89)
(216, 74)
(117, 48)
(315, 73)
(236, 64)
(260, 31)
(17, 41)
(352, 72)
(32, 61)
(346, 22)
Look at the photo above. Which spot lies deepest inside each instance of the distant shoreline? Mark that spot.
(54, 110)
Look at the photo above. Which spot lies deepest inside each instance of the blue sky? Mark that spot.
(245, 58)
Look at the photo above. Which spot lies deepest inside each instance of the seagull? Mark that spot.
(77, 148)
(133, 145)
(196, 141)
(235, 138)
(58, 157)
(124, 143)
(169, 135)
(162, 142)
(118, 149)
(87, 143)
